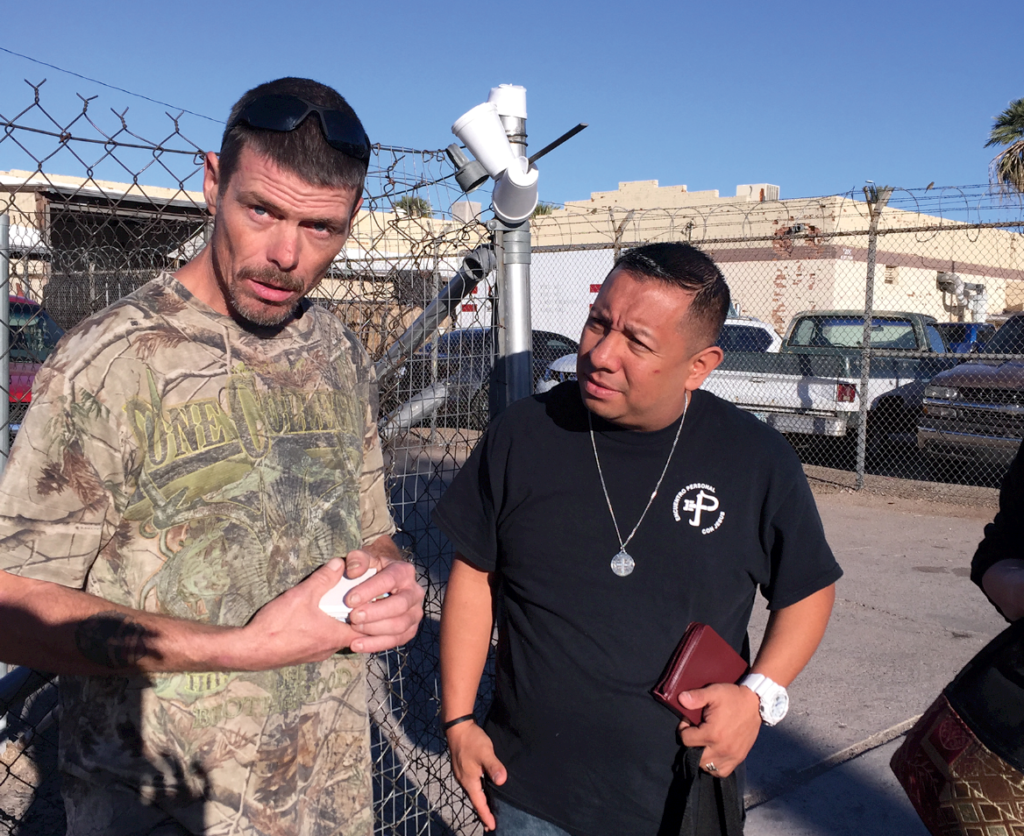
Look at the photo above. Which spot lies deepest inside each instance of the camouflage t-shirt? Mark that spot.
(174, 462)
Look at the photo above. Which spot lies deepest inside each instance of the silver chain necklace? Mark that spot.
(622, 563)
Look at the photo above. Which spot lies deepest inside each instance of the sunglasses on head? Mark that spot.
(280, 112)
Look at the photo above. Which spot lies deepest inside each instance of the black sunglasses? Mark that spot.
(279, 112)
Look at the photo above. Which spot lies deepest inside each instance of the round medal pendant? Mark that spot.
(622, 564)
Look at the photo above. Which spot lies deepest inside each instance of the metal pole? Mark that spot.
(876, 199)
(514, 367)
(436, 275)
(519, 330)
(5, 338)
(475, 267)
(497, 390)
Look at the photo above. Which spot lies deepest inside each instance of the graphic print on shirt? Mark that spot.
(274, 476)
(698, 503)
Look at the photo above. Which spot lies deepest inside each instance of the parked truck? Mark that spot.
(975, 412)
(813, 385)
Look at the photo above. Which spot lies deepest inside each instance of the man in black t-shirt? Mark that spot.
(598, 520)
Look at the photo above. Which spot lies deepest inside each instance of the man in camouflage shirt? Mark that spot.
(199, 466)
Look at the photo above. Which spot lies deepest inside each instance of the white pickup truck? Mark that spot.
(812, 385)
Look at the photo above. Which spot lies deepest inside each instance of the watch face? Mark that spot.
(776, 705)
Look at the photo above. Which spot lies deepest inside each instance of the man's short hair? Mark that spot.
(303, 151)
(687, 268)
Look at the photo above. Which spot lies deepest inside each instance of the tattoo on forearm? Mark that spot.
(112, 639)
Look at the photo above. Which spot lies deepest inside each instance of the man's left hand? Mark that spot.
(732, 719)
(387, 622)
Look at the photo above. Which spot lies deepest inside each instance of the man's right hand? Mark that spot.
(473, 760)
(54, 628)
(292, 629)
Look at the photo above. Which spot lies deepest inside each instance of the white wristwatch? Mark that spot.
(774, 698)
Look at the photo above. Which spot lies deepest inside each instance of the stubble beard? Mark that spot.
(258, 311)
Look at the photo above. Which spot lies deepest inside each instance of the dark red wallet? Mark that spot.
(702, 658)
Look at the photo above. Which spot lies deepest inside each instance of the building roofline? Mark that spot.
(67, 186)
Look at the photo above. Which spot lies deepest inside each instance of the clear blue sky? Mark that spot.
(816, 98)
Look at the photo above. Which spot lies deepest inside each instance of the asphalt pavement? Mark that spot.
(906, 620)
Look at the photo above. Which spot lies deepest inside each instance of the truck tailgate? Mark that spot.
(792, 392)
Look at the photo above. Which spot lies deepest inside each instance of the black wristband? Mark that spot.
(456, 721)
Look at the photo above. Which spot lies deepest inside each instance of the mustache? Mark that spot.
(272, 277)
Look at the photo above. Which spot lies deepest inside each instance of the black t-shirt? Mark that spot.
(585, 744)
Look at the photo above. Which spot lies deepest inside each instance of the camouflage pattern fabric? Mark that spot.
(173, 462)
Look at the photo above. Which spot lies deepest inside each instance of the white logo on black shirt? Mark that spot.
(699, 502)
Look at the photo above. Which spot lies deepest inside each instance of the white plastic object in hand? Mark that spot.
(333, 602)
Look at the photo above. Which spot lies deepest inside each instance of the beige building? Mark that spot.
(80, 243)
(784, 256)
(83, 242)
(99, 239)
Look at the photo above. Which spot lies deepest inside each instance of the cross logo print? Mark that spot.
(699, 502)
(699, 505)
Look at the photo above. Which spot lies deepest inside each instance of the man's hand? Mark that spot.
(292, 629)
(467, 620)
(69, 631)
(732, 716)
(473, 759)
(732, 719)
(387, 622)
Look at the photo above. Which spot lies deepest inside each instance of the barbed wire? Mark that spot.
(65, 135)
(104, 84)
(821, 217)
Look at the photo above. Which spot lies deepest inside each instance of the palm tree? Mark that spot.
(1007, 167)
(542, 209)
(414, 207)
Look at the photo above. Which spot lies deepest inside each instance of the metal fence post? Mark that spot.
(514, 362)
(876, 199)
(497, 395)
(5, 382)
(435, 274)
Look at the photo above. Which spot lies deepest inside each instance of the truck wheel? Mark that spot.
(941, 469)
(887, 419)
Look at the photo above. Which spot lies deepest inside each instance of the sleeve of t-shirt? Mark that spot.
(375, 516)
(1004, 536)
(794, 539)
(467, 513)
(64, 488)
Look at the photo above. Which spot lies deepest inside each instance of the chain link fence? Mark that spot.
(887, 347)
(94, 211)
(905, 371)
